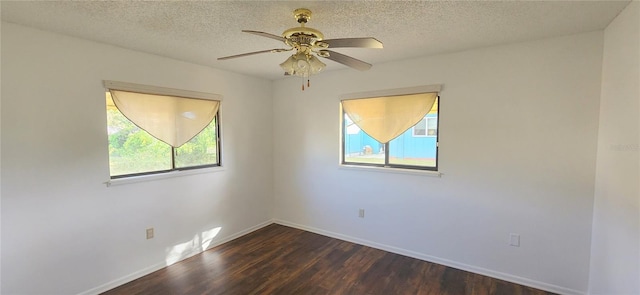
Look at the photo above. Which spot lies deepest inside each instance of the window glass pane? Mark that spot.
(360, 147)
(408, 149)
(200, 150)
(132, 150)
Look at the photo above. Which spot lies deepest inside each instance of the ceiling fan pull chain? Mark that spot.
(308, 83)
(302, 84)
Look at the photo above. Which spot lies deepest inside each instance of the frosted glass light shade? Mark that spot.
(303, 65)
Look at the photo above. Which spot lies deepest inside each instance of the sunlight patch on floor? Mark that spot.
(199, 243)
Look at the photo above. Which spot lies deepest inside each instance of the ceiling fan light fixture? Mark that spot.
(316, 65)
(289, 65)
(302, 65)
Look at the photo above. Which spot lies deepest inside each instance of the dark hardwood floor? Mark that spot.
(282, 260)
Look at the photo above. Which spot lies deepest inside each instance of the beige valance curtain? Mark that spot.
(172, 119)
(385, 118)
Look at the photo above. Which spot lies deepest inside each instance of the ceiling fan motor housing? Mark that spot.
(303, 35)
(303, 38)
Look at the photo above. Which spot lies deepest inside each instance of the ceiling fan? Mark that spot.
(309, 43)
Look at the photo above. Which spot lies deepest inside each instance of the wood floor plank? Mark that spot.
(282, 260)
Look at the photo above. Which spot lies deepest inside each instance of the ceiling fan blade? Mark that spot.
(367, 42)
(347, 60)
(263, 34)
(252, 53)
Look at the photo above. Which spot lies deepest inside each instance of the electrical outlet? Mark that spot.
(514, 240)
(361, 213)
(149, 233)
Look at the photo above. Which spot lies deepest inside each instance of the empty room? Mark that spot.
(320, 147)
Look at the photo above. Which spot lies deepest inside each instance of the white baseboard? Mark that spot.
(123, 280)
(158, 266)
(438, 260)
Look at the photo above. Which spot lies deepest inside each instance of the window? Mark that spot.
(395, 128)
(143, 148)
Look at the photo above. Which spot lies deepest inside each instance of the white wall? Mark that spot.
(518, 131)
(615, 256)
(63, 230)
(0, 165)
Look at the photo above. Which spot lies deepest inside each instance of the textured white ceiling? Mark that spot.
(201, 31)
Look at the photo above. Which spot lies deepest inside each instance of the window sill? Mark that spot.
(152, 177)
(391, 170)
